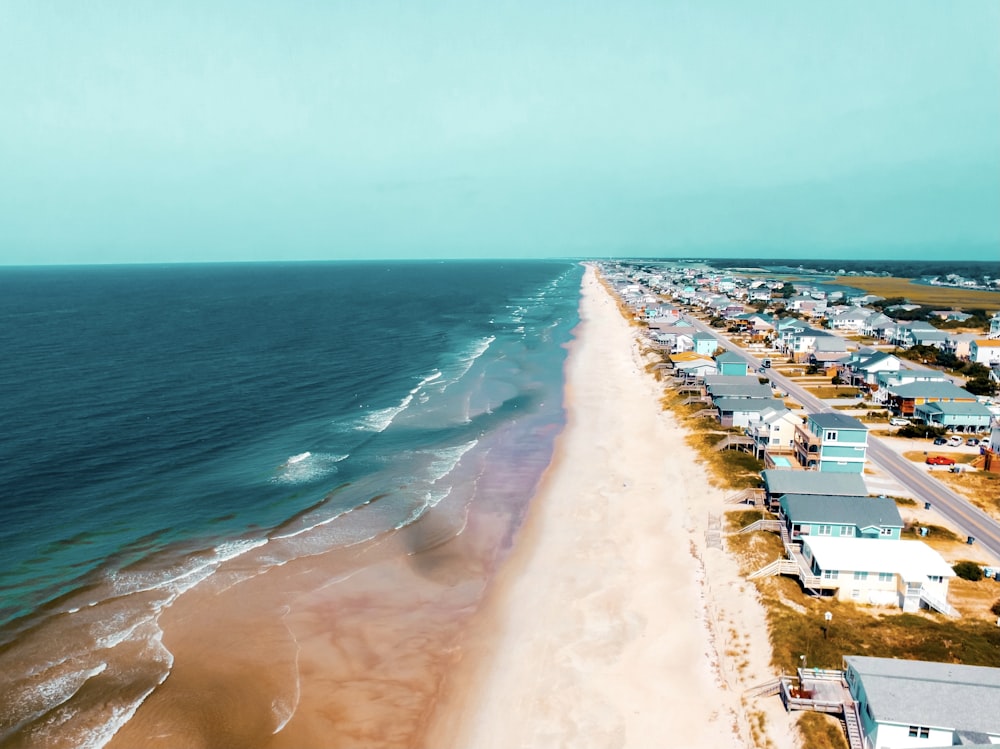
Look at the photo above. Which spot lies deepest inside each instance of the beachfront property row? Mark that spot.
(842, 543)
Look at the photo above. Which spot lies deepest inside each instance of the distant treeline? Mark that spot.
(899, 268)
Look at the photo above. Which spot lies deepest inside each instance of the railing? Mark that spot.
(763, 525)
(937, 604)
(747, 496)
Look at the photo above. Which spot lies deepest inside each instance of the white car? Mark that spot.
(896, 421)
(955, 441)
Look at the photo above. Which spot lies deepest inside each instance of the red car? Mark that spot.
(940, 460)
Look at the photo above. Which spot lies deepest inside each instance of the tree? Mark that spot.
(968, 570)
(981, 386)
(787, 290)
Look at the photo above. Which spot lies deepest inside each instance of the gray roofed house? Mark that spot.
(834, 420)
(750, 388)
(922, 703)
(779, 482)
(832, 515)
(741, 412)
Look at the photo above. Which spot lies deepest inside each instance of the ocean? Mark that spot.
(170, 430)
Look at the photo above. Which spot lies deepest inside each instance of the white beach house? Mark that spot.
(908, 574)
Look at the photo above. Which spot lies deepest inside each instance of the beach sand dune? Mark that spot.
(602, 630)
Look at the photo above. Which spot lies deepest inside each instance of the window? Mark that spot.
(885, 531)
(830, 436)
(885, 577)
(847, 530)
(860, 575)
(919, 732)
(856, 594)
(935, 578)
(824, 530)
(831, 574)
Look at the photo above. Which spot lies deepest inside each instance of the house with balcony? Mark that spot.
(691, 366)
(839, 516)
(904, 704)
(994, 326)
(958, 344)
(832, 442)
(773, 435)
(743, 412)
(958, 416)
(862, 369)
(904, 399)
(851, 320)
(907, 574)
(985, 351)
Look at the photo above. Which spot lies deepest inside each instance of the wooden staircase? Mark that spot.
(763, 525)
(938, 604)
(752, 496)
(852, 725)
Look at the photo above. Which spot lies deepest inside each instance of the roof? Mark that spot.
(834, 420)
(690, 356)
(956, 409)
(945, 695)
(864, 512)
(931, 389)
(914, 561)
(746, 405)
(987, 342)
(785, 481)
(749, 389)
(730, 356)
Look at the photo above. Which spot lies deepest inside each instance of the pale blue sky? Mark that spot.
(142, 130)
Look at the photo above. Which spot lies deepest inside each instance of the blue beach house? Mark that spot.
(832, 442)
(728, 363)
(705, 344)
(837, 516)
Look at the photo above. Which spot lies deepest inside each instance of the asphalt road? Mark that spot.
(957, 510)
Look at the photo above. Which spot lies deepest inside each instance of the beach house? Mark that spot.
(839, 516)
(985, 351)
(774, 434)
(905, 704)
(732, 364)
(955, 416)
(908, 574)
(780, 481)
(705, 344)
(832, 442)
(904, 399)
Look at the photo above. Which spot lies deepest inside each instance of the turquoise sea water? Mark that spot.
(159, 420)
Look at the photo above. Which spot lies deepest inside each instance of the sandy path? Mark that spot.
(602, 629)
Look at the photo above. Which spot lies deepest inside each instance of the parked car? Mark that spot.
(940, 441)
(897, 421)
(940, 460)
(972, 442)
(955, 441)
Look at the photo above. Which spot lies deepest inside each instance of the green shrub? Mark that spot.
(968, 571)
(921, 431)
(996, 607)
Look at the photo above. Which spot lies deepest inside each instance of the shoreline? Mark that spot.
(612, 620)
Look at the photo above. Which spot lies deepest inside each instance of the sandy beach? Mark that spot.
(614, 623)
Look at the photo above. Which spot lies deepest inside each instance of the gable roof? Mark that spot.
(749, 389)
(930, 389)
(864, 512)
(835, 420)
(949, 695)
(730, 357)
(960, 408)
(746, 405)
(784, 481)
